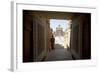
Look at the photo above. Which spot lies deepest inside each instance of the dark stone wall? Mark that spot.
(35, 39)
(27, 37)
(81, 35)
(86, 40)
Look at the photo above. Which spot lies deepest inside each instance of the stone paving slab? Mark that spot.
(59, 54)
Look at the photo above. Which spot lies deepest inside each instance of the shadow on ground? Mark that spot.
(59, 54)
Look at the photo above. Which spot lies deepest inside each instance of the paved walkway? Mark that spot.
(59, 54)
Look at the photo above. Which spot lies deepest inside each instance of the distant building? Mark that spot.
(67, 36)
(59, 31)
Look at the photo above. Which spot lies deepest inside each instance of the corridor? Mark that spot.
(59, 54)
(37, 34)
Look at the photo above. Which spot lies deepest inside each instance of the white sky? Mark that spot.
(55, 22)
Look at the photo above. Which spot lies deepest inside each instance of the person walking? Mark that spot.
(52, 42)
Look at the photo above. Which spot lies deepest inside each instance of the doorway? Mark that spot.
(61, 32)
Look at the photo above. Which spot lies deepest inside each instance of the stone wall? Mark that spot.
(81, 36)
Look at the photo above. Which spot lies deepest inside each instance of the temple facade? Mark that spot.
(59, 31)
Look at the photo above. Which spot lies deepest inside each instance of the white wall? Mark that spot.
(5, 35)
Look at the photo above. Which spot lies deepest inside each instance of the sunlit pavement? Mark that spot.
(59, 54)
(59, 40)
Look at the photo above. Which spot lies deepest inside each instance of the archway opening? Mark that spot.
(60, 29)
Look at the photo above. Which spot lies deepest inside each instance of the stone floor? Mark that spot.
(59, 54)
